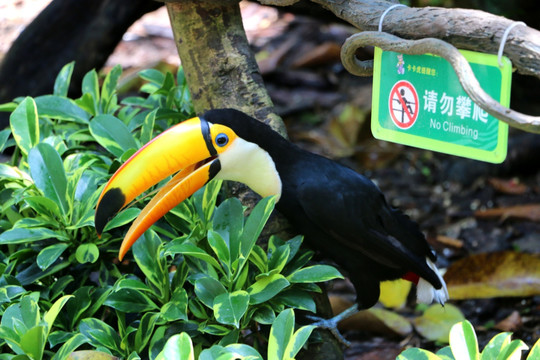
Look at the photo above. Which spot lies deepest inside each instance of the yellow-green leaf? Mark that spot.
(394, 293)
(436, 322)
(506, 273)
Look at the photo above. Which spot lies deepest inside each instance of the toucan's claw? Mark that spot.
(332, 323)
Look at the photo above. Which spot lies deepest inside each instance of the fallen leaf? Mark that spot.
(506, 273)
(90, 355)
(512, 186)
(269, 61)
(326, 53)
(347, 125)
(436, 322)
(394, 293)
(510, 323)
(374, 320)
(522, 212)
(449, 241)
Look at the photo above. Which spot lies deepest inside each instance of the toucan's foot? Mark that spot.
(332, 323)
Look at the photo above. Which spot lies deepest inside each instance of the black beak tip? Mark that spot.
(111, 203)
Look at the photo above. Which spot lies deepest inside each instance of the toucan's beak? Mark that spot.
(186, 148)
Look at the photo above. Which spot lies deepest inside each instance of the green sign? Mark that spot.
(418, 101)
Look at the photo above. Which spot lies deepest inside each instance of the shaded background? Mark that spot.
(482, 219)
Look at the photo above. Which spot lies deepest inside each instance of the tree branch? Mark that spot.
(438, 47)
(465, 29)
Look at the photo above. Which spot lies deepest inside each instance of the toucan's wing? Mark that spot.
(350, 210)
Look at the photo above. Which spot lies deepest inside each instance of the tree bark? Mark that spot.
(465, 29)
(220, 67)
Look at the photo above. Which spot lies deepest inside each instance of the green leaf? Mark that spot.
(495, 345)
(8, 107)
(44, 206)
(266, 287)
(61, 83)
(417, 354)
(50, 316)
(445, 353)
(33, 342)
(229, 223)
(21, 236)
(279, 258)
(50, 254)
(463, 341)
(280, 335)
(513, 350)
(147, 253)
(177, 347)
(211, 191)
(13, 172)
(60, 285)
(133, 284)
(255, 223)
(48, 172)
(145, 330)
(148, 127)
(243, 351)
(21, 316)
(217, 330)
(100, 334)
(176, 309)
(33, 273)
(69, 346)
(25, 125)
(207, 289)
(10, 292)
(189, 249)
(297, 299)
(535, 351)
(112, 134)
(259, 258)
(230, 307)
(4, 136)
(87, 253)
(264, 314)
(12, 338)
(300, 337)
(108, 90)
(315, 273)
(58, 107)
(90, 86)
(219, 247)
(130, 301)
(124, 217)
(152, 75)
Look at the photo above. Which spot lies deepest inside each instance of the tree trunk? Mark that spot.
(219, 65)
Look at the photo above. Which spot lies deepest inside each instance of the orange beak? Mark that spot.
(186, 149)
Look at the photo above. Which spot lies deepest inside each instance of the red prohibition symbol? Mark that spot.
(403, 103)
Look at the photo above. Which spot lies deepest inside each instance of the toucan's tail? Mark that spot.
(426, 293)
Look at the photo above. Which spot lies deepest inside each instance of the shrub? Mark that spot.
(196, 277)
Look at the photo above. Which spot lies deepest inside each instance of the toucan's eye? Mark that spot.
(222, 139)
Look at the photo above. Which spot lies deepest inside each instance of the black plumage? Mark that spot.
(342, 214)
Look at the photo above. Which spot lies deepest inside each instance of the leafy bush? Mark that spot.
(464, 346)
(198, 272)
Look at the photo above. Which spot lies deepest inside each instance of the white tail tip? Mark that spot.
(426, 293)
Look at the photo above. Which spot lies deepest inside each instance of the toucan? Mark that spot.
(342, 214)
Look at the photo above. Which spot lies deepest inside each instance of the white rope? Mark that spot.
(504, 37)
(386, 12)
